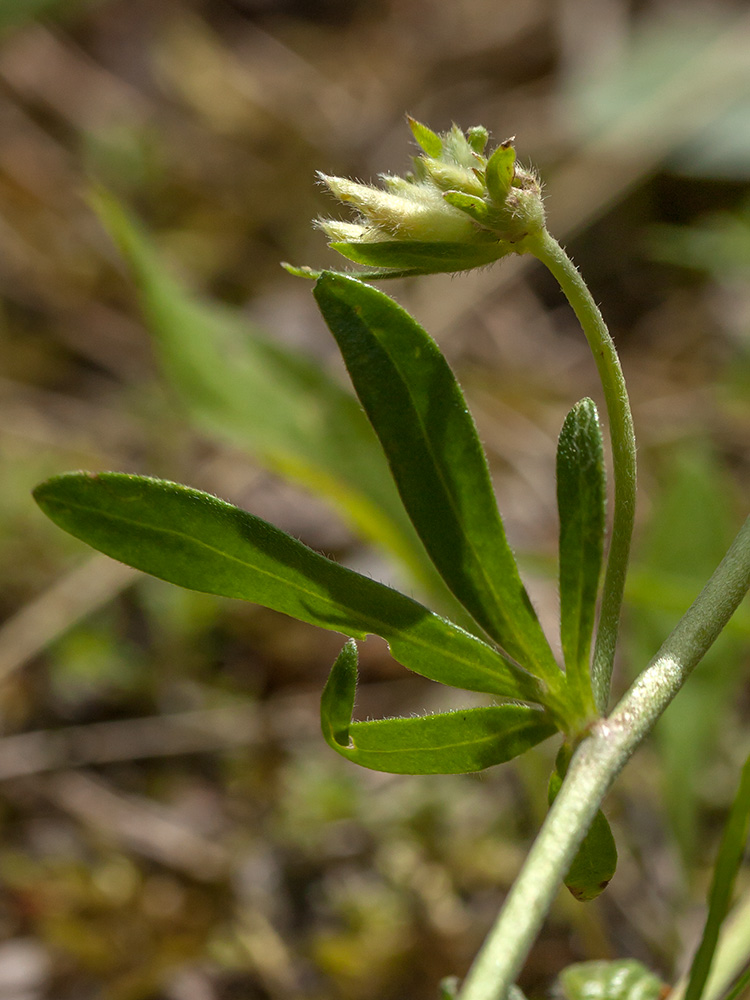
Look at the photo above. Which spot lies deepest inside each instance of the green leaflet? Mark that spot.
(499, 173)
(419, 413)
(448, 743)
(625, 979)
(260, 396)
(478, 137)
(581, 501)
(596, 859)
(202, 543)
(312, 273)
(696, 502)
(423, 258)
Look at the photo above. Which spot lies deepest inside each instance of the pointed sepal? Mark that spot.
(499, 172)
(428, 140)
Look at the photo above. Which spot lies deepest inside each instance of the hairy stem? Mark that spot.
(546, 249)
(594, 766)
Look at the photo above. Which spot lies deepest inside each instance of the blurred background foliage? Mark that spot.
(173, 826)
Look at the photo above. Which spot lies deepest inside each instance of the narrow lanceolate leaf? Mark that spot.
(448, 743)
(423, 258)
(202, 543)
(596, 859)
(581, 500)
(731, 852)
(419, 413)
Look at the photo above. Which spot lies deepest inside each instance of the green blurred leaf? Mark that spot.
(581, 502)
(625, 979)
(16, 13)
(423, 258)
(448, 743)
(694, 503)
(266, 398)
(419, 413)
(596, 859)
(717, 244)
(731, 851)
(202, 543)
(668, 59)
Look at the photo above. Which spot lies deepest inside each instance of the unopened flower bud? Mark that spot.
(459, 209)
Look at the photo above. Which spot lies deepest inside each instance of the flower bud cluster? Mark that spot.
(456, 210)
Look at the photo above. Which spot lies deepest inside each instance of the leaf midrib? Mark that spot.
(452, 501)
(443, 746)
(420, 643)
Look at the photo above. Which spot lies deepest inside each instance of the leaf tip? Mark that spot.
(337, 700)
(302, 271)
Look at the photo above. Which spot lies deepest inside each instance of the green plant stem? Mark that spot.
(546, 249)
(595, 765)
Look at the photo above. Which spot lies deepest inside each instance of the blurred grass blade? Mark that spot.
(263, 397)
(18, 13)
(728, 862)
(448, 743)
(581, 502)
(739, 987)
(596, 859)
(202, 543)
(419, 413)
(695, 503)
